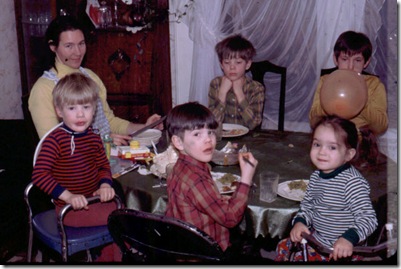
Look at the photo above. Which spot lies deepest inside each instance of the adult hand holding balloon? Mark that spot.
(344, 93)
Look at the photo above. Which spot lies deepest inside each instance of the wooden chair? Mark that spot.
(258, 70)
(156, 239)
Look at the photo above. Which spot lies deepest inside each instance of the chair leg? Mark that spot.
(30, 243)
(304, 250)
(88, 256)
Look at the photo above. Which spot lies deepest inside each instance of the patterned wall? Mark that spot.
(10, 83)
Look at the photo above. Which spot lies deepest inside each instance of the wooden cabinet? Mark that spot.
(135, 67)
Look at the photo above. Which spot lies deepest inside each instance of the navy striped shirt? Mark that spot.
(338, 204)
(73, 161)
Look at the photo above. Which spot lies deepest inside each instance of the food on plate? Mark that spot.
(298, 185)
(234, 184)
(227, 179)
(234, 132)
(226, 188)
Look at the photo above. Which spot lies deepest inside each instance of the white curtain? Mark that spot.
(299, 35)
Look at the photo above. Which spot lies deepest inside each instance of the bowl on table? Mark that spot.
(146, 138)
(225, 158)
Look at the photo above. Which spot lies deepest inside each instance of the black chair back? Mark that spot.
(258, 70)
(160, 239)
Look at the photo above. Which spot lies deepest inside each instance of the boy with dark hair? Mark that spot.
(353, 51)
(234, 97)
(192, 194)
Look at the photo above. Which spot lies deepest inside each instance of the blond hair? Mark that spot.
(75, 88)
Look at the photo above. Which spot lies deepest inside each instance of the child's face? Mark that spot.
(199, 144)
(77, 117)
(355, 62)
(235, 68)
(328, 152)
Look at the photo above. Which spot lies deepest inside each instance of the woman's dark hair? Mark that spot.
(189, 116)
(365, 144)
(57, 26)
(352, 43)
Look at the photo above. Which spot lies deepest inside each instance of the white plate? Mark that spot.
(217, 175)
(294, 194)
(146, 137)
(233, 130)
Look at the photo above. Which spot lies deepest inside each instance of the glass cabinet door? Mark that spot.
(33, 17)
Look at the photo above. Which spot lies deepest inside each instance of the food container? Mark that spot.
(224, 158)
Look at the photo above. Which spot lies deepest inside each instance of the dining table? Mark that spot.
(283, 152)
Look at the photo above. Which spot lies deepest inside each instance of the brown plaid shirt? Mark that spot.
(247, 113)
(194, 198)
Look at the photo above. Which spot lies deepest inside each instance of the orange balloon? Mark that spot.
(344, 93)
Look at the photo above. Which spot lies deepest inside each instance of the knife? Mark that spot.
(148, 127)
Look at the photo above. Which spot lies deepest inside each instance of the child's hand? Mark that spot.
(247, 170)
(238, 89)
(77, 201)
(225, 86)
(296, 231)
(342, 248)
(106, 192)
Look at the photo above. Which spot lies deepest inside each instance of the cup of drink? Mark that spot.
(268, 182)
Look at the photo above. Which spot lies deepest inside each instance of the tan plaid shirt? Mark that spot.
(247, 113)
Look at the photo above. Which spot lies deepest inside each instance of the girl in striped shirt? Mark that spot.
(336, 208)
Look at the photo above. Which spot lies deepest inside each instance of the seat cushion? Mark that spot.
(82, 238)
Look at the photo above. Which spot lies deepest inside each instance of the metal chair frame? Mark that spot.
(363, 250)
(71, 239)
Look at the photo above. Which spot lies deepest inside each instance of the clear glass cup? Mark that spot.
(268, 184)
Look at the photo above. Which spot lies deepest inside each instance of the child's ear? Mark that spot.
(59, 112)
(367, 63)
(248, 64)
(177, 142)
(350, 154)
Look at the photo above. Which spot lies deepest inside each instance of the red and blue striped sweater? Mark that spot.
(73, 161)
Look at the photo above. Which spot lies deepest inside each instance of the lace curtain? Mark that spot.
(299, 35)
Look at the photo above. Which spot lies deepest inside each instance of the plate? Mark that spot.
(222, 187)
(233, 130)
(294, 194)
(146, 138)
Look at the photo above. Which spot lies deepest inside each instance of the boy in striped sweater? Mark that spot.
(72, 164)
(336, 208)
